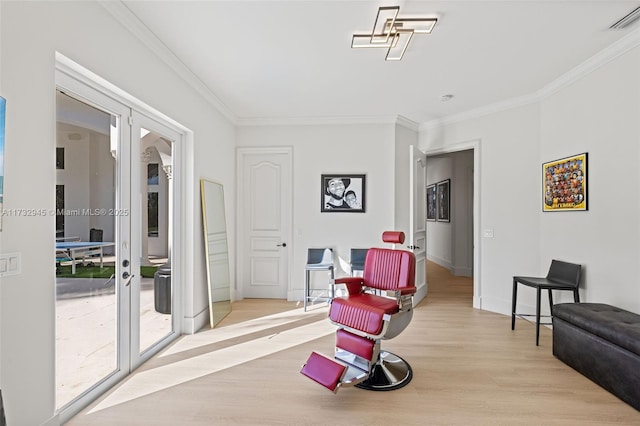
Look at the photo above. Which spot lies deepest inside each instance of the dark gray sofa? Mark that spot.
(603, 343)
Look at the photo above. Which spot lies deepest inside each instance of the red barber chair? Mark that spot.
(378, 306)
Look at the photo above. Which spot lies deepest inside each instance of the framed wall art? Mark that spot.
(444, 200)
(564, 184)
(431, 202)
(342, 193)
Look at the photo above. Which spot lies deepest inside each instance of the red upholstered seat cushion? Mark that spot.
(362, 312)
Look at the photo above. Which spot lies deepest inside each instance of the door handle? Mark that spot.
(282, 245)
(126, 276)
(413, 247)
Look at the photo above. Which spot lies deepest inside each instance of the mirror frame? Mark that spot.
(213, 319)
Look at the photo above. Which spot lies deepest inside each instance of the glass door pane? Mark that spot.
(87, 308)
(155, 294)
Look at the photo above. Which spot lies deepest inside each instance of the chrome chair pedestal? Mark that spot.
(390, 372)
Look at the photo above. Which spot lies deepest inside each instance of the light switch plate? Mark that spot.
(10, 264)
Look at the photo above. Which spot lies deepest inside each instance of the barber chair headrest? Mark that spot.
(394, 237)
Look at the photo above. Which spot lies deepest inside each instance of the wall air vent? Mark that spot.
(627, 20)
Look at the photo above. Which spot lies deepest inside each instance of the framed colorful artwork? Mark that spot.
(564, 184)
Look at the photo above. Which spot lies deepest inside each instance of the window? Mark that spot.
(152, 213)
(152, 174)
(60, 158)
(59, 211)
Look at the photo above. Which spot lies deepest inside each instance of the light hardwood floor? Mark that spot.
(469, 369)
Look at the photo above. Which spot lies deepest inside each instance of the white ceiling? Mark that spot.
(282, 60)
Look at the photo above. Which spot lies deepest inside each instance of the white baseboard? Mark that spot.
(193, 324)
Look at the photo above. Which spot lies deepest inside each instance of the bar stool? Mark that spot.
(356, 262)
(318, 259)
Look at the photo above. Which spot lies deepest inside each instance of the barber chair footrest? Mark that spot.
(325, 371)
(390, 372)
(333, 373)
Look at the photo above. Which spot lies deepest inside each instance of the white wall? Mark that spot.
(74, 177)
(462, 213)
(88, 179)
(31, 33)
(329, 149)
(509, 150)
(597, 113)
(101, 183)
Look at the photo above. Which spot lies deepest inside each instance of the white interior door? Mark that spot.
(418, 215)
(264, 222)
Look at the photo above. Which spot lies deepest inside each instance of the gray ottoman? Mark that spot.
(603, 343)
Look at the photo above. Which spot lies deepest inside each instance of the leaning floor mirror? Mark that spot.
(216, 251)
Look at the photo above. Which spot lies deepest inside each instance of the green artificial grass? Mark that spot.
(96, 272)
(148, 271)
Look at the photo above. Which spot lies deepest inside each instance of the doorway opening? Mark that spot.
(452, 229)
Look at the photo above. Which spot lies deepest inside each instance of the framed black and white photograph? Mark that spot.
(444, 197)
(431, 202)
(342, 193)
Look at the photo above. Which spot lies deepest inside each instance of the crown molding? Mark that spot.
(625, 44)
(598, 60)
(482, 111)
(320, 121)
(407, 123)
(130, 21)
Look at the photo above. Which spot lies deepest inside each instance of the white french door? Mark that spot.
(115, 191)
(418, 216)
(154, 303)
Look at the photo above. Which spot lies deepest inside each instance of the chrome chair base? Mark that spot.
(391, 372)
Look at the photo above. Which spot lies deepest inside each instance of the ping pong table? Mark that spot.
(81, 249)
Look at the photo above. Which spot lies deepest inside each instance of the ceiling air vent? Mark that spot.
(627, 20)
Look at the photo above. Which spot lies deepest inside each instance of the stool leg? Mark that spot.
(550, 302)
(333, 287)
(306, 289)
(513, 304)
(538, 316)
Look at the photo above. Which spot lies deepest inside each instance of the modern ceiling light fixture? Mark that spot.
(392, 32)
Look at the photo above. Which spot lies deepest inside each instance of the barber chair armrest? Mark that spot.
(404, 298)
(406, 291)
(354, 284)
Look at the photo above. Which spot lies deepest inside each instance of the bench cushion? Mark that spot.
(613, 324)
